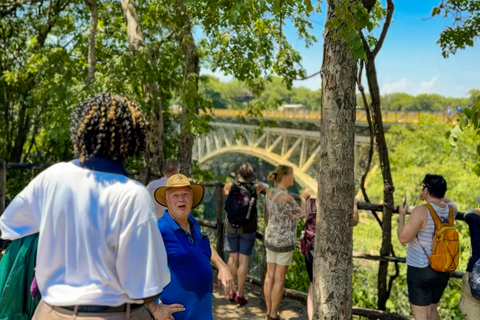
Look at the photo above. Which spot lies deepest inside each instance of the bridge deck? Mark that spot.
(389, 117)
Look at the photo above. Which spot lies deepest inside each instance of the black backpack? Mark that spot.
(239, 202)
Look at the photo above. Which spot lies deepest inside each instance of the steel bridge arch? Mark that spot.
(296, 148)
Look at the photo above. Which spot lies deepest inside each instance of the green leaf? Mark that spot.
(308, 5)
(234, 16)
(468, 112)
(478, 149)
(476, 169)
(334, 37)
(359, 54)
(352, 35)
(329, 25)
(455, 132)
(369, 26)
(357, 43)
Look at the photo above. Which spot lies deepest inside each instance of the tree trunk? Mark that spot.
(381, 144)
(92, 31)
(134, 30)
(333, 265)
(23, 126)
(153, 156)
(388, 188)
(190, 90)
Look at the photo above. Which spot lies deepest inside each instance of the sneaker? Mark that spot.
(232, 296)
(241, 300)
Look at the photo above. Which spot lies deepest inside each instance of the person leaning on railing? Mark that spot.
(425, 285)
(470, 306)
(280, 235)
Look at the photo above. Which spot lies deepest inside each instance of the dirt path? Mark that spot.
(255, 308)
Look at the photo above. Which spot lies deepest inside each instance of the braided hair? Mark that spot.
(108, 126)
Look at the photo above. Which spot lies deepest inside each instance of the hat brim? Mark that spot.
(198, 193)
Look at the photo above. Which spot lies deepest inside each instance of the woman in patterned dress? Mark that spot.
(280, 235)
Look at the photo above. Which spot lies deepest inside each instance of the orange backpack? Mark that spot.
(445, 252)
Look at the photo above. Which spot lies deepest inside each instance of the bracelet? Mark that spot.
(400, 219)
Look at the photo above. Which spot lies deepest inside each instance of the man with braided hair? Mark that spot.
(100, 255)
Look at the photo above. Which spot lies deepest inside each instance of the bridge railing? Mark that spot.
(403, 117)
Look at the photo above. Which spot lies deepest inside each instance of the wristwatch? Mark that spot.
(400, 219)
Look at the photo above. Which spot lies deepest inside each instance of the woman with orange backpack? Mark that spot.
(425, 282)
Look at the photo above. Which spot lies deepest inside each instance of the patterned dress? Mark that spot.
(281, 232)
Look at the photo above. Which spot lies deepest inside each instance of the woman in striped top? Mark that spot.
(425, 285)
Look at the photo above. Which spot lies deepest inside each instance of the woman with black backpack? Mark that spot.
(241, 207)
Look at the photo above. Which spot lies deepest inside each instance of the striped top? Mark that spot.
(415, 254)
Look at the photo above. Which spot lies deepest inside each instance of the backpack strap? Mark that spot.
(437, 222)
(434, 214)
(450, 215)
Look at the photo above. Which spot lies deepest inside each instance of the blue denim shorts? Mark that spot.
(240, 243)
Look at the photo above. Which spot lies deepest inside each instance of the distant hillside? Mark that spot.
(236, 95)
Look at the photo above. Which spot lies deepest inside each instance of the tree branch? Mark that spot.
(370, 150)
(386, 25)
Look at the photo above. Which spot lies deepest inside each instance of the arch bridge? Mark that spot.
(296, 148)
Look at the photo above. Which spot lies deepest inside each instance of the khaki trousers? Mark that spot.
(45, 311)
(469, 306)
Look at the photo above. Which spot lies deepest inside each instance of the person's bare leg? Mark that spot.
(277, 290)
(268, 285)
(310, 302)
(232, 265)
(434, 312)
(421, 312)
(242, 272)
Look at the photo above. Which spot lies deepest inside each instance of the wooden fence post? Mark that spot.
(220, 226)
(3, 185)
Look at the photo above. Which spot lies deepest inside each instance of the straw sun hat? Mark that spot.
(177, 181)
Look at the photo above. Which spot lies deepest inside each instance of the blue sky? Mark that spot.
(410, 60)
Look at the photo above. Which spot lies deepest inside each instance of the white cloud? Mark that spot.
(402, 85)
(410, 87)
(428, 86)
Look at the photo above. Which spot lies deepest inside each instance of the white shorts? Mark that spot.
(280, 258)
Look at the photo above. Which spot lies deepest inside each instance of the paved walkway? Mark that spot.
(255, 308)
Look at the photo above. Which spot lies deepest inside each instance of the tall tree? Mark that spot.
(92, 32)
(189, 92)
(153, 156)
(378, 133)
(333, 273)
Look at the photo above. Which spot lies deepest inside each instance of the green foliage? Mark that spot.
(350, 17)
(466, 28)
(468, 128)
(421, 149)
(274, 92)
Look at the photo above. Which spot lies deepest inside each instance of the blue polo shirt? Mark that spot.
(473, 222)
(191, 272)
